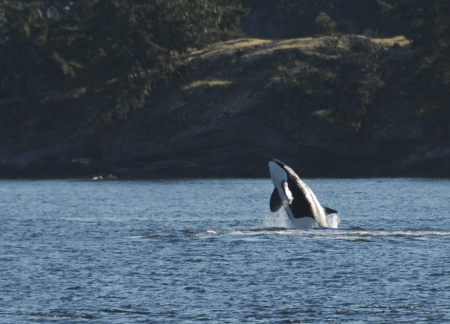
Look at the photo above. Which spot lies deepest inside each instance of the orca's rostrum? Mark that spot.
(299, 201)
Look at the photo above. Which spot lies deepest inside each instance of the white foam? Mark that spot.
(333, 220)
(281, 219)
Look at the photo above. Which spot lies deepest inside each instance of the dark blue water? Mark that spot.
(210, 250)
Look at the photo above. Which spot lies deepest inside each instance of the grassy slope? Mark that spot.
(245, 96)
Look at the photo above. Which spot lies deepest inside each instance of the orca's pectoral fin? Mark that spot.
(329, 211)
(275, 201)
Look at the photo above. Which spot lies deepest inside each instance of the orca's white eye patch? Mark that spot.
(287, 192)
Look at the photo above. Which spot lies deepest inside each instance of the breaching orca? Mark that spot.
(296, 197)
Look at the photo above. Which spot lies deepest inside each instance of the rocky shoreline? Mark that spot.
(198, 156)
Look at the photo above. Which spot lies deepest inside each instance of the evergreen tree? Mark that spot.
(31, 49)
(429, 25)
(22, 38)
(118, 48)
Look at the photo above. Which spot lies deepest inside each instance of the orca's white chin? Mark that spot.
(277, 173)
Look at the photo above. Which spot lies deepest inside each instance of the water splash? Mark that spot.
(279, 219)
(333, 220)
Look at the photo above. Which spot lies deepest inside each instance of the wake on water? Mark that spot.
(344, 234)
(279, 223)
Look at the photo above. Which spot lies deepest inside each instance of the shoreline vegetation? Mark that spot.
(219, 104)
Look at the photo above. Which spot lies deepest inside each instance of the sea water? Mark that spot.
(189, 251)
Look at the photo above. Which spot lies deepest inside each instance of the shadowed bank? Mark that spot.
(233, 106)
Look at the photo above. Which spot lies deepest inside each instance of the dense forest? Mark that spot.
(97, 63)
(119, 50)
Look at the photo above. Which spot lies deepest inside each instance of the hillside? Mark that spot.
(329, 107)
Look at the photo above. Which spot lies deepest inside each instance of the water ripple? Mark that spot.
(153, 251)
